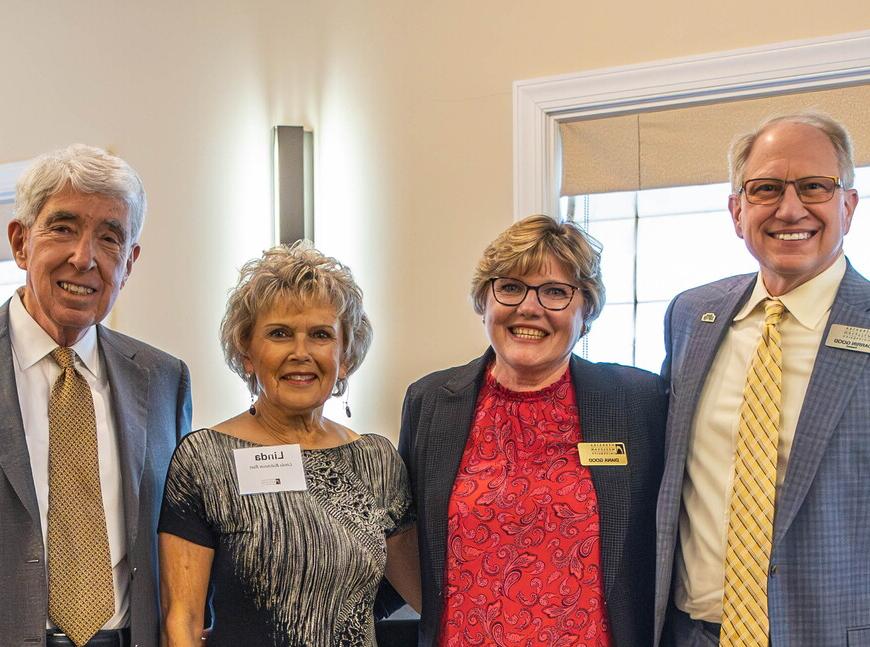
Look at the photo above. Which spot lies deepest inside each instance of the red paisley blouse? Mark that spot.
(523, 555)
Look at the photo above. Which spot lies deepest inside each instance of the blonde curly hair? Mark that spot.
(297, 273)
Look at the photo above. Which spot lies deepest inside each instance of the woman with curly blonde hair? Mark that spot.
(298, 565)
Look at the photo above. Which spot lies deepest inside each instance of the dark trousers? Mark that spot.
(112, 638)
(682, 631)
(396, 633)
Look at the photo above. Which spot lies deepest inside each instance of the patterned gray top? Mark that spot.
(290, 568)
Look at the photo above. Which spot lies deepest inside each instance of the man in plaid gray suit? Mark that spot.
(792, 204)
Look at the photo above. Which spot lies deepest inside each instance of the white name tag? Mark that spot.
(849, 337)
(271, 468)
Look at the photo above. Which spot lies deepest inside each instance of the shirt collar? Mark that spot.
(808, 302)
(32, 343)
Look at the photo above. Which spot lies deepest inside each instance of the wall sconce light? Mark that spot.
(293, 176)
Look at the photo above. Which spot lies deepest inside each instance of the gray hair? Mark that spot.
(836, 132)
(299, 274)
(524, 247)
(86, 169)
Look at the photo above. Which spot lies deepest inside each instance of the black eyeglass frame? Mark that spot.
(536, 288)
(837, 185)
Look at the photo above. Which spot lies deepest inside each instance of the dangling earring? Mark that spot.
(252, 409)
(346, 405)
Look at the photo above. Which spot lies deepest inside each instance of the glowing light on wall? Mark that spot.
(293, 177)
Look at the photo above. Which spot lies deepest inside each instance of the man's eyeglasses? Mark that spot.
(810, 190)
(552, 296)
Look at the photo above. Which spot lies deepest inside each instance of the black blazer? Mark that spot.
(616, 403)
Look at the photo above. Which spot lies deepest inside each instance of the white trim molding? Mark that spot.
(540, 104)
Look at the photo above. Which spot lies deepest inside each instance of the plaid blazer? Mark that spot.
(616, 403)
(819, 590)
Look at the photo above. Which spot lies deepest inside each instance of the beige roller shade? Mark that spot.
(687, 146)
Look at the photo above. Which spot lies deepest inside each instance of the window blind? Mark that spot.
(687, 146)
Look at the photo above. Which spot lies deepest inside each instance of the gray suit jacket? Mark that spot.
(616, 403)
(151, 403)
(819, 587)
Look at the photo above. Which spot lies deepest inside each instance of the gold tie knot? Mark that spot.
(773, 312)
(65, 357)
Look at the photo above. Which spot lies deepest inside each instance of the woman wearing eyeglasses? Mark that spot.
(535, 472)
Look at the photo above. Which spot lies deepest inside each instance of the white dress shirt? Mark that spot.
(35, 374)
(707, 483)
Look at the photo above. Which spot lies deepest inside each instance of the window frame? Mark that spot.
(541, 104)
(9, 174)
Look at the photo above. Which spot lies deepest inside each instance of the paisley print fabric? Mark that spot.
(523, 554)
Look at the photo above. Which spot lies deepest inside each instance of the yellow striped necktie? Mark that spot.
(750, 525)
(81, 597)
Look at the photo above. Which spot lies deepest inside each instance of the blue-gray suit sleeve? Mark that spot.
(185, 406)
(666, 364)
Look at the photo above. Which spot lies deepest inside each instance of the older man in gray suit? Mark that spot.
(763, 520)
(90, 417)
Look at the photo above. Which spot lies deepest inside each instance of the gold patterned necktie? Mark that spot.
(81, 597)
(750, 525)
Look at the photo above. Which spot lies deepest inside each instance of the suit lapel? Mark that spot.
(601, 407)
(835, 374)
(693, 348)
(129, 385)
(14, 456)
(689, 369)
(703, 341)
(451, 421)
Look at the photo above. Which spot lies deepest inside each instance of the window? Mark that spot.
(659, 242)
(11, 277)
(641, 221)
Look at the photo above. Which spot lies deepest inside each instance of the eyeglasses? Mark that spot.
(552, 296)
(810, 190)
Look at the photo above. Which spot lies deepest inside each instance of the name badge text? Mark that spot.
(849, 338)
(270, 468)
(598, 454)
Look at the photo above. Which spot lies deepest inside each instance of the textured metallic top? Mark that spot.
(291, 568)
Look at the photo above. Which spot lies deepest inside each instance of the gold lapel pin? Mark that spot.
(708, 317)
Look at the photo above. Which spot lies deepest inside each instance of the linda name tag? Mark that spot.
(270, 468)
(849, 338)
(593, 454)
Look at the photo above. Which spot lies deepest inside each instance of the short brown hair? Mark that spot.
(524, 247)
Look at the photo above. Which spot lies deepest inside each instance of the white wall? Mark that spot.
(179, 90)
(410, 103)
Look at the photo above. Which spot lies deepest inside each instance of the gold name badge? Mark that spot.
(849, 337)
(600, 454)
